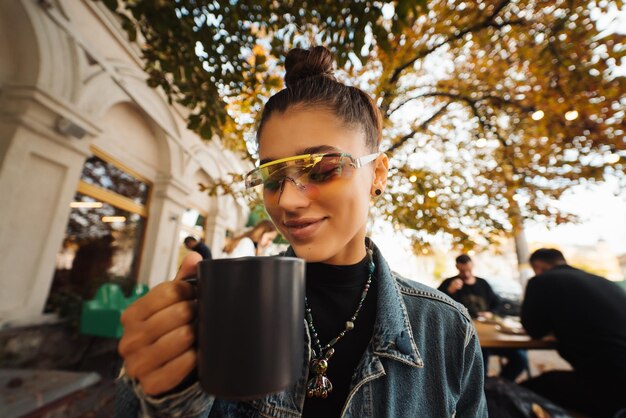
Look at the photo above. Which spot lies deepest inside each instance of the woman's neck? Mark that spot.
(351, 253)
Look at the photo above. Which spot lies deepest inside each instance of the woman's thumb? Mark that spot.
(189, 266)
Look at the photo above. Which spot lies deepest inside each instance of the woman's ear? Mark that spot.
(381, 169)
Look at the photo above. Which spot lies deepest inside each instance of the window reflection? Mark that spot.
(94, 251)
(104, 174)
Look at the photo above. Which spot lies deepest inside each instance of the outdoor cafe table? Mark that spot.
(490, 337)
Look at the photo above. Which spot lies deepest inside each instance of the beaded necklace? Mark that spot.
(319, 385)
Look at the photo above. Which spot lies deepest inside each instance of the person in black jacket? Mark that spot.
(472, 292)
(480, 300)
(200, 247)
(587, 315)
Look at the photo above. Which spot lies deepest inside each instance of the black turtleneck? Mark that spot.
(333, 294)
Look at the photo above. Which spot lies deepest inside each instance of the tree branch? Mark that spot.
(488, 22)
(421, 127)
(460, 97)
(483, 122)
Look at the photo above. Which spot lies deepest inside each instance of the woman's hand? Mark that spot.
(158, 341)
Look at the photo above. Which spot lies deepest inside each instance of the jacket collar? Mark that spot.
(393, 336)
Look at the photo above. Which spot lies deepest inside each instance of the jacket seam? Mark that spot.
(271, 411)
(469, 333)
(420, 293)
(401, 360)
(357, 387)
(407, 322)
(414, 292)
(371, 401)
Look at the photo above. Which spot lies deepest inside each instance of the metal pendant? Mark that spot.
(319, 386)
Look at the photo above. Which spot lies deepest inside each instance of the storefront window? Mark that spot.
(103, 236)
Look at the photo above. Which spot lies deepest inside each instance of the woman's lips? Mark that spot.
(302, 229)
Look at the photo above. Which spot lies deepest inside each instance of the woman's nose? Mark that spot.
(292, 195)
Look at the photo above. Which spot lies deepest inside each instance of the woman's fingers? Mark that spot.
(140, 334)
(159, 298)
(171, 374)
(157, 345)
(165, 294)
(189, 266)
(153, 357)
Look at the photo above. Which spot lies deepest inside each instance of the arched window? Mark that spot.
(104, 233)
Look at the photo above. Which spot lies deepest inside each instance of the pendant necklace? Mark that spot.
(319, 386)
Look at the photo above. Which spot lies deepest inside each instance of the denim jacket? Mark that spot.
(424, 360)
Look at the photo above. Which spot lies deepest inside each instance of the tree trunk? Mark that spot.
(517, 222)
(521, 250)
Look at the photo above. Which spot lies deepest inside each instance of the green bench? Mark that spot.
(101, 315)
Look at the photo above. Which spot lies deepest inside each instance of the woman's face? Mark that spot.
(328, 226)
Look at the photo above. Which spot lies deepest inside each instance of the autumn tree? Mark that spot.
(492, 108)
(218, 58)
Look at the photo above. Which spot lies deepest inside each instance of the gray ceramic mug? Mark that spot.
(250, 325)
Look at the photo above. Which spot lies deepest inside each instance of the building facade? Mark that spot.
(98, 173)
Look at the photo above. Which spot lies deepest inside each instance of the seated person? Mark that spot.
(587, 315)
(477, 296)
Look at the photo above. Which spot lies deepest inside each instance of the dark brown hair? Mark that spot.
(310, 82)
(550, 256)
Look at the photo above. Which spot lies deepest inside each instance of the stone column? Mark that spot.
(158, 260)
(39, 171)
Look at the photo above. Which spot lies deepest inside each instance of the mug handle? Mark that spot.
(193, 280)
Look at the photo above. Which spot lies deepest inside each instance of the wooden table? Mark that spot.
(490, 337)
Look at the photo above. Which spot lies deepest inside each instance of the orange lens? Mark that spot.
(311, 191)
(310, 174)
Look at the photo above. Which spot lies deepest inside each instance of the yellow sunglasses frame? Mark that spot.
(355, 162)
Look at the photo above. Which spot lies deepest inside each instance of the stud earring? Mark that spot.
(378, 192)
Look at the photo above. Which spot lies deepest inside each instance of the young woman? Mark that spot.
(253, 242)
(376, 344)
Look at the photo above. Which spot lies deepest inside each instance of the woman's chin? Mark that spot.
(311, 253)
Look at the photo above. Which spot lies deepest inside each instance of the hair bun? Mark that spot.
(303, 63)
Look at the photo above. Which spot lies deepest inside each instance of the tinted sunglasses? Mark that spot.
(308, 172)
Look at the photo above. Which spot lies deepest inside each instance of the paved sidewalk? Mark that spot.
(96, 401)
(24, 391)
(58, 373)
